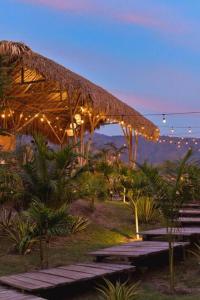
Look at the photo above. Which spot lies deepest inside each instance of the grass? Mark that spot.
(111, 224)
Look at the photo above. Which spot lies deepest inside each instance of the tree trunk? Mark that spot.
(41, 254)
(136, 221)
(171, 260)
(124, 195)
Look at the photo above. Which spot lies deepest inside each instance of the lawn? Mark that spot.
(111, 224)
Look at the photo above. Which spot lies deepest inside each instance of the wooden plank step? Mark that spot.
(65, 275)
(178, 231)
(189, 212)
(8, 294)
(191, 205)
(132, 251)
(22, 282)
(107, 266)
(189, 220)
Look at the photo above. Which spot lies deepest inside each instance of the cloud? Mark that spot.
(71, 6)
(155, 18)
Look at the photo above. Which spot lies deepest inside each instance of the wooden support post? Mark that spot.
(130, 145)
(135, 148)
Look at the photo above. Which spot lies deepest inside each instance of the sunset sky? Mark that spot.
(146, 52)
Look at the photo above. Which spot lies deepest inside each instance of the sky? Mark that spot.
(145, 52)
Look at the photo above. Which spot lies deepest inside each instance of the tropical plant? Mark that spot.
(169, 192)
(79, 223)
(147, 209)
(196, 251)
(7, 218)
(92, 187)
(11, 188)
(118, 291)
(20, 232)
(49, 177)
(116, 152)
(137, 187)
(48, 222)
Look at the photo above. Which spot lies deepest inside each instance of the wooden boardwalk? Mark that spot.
(191, 206)
(7, 294)
(189, 221)
(180, 232)
(134, 250)
(62, 276)
(189, 212)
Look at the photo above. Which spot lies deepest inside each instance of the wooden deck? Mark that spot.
(134, 250)
(7, 294)
(189, 212)
(191, 205)
(181, 232)
(61, 276)
(189, 221)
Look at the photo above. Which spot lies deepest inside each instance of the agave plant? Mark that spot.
(21, 234)
(196, 252)
(7, 218)
(118, 291)
(79, 223)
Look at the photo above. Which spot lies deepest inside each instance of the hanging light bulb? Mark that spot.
(172, 130)
(73, 125)
(189, 130)
(164, 118)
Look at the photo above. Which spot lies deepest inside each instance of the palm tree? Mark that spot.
(169, 192)
(51, 173)
(48, 222)
(137, 186)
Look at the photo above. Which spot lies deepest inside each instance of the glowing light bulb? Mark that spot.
(189, 130)
(164, 119)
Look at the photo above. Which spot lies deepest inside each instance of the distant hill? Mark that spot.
(168, 148)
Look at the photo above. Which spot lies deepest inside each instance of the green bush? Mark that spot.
(147, 210)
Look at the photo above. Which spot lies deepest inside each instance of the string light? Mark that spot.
(189, 130)
(164, 119)
(172, 130)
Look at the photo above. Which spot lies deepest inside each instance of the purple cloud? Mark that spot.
(157, 19)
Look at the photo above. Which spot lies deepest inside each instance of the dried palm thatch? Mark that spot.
(45, 96)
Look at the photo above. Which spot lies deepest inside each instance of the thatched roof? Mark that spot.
(45, 94)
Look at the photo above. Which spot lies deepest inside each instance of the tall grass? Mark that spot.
(147, 210)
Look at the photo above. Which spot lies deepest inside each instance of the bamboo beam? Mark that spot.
(135, 148)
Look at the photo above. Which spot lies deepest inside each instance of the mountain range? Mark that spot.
(167, 148)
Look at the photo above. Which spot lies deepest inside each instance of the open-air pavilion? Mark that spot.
(48, 98)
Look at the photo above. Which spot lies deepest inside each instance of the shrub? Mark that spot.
(6, 219)
(79, 223)
(119, 291)
(21, 233)
(147, 210)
